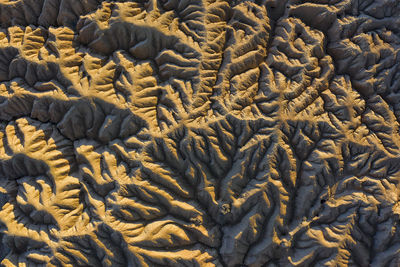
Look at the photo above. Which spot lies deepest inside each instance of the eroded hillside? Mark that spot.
(200, 132)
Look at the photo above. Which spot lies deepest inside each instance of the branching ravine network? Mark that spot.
(200, 132)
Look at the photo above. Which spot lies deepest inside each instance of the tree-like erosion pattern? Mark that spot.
(200, 133)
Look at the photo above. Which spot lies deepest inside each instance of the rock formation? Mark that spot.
(200, 133)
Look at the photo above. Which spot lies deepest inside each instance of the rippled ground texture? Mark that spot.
(200, 133)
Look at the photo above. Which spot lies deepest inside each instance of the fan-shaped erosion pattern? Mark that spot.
(200, 133)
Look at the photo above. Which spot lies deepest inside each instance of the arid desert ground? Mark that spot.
(200, 133)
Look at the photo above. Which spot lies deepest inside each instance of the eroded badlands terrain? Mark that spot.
(200, 133)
